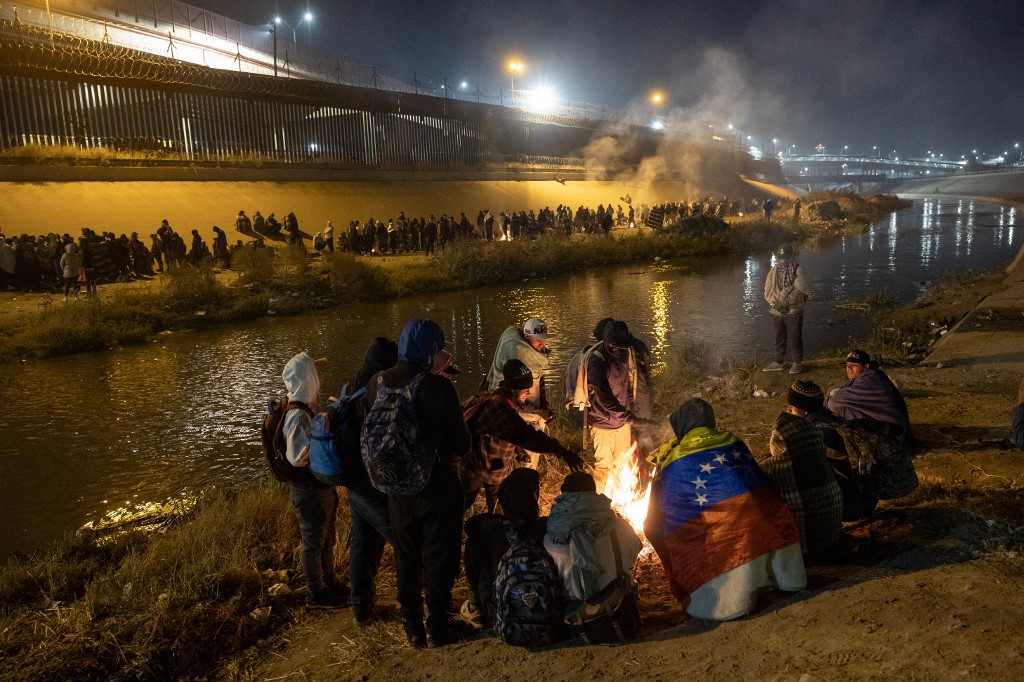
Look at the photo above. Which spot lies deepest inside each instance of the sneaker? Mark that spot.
(796, 368)
(471, 615)
(774, 367)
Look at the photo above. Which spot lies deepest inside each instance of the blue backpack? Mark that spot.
(333, 442)
(397, 458)
(527, 595)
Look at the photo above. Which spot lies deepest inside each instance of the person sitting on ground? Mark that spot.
(497, 429)
(721, 530)
(579, 539)
(487, 540)
(242, 222)
(807, 400)
(1018, 417)
(869, 394)
(799, 470)
(315, 503)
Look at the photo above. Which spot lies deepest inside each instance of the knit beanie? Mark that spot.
(806, 396)
(382, 354)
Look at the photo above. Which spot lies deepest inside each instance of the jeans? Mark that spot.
(789, 335)
(427, 534)
(316, 508)
(371, 528)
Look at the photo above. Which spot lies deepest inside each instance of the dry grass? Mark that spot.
(162, 605)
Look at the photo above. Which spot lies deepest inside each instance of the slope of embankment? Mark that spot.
(1006, 186)
(126, 205)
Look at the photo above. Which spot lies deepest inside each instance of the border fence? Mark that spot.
(61, 88)
(177, 30)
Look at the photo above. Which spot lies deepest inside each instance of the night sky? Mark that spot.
(911, 75)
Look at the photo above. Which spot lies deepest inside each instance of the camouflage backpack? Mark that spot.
(397, 458)
(527, 594)
(881, 463)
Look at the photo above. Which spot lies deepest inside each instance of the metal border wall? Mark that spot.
(61, 89)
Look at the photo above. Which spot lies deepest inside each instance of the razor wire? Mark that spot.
(243, 48)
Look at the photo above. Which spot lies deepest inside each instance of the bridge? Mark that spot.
(818, 171)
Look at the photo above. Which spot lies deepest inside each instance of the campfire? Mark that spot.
(625, 490)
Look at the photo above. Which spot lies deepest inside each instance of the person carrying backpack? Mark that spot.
(487, 541)
(368, 507)
(315, 503)
(426, 520)
(594, 549)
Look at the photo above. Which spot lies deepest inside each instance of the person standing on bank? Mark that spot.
(426, 527)
(315, 503)
(786, 290)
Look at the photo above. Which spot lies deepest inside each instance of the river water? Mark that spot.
(122, 433)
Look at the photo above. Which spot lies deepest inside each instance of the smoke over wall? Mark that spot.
(708, 97)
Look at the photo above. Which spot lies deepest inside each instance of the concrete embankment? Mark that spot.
(139, 206)
(1004, 186)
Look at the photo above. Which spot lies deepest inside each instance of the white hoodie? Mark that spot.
(302, 381)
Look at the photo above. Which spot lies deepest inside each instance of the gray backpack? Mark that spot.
(397, 458)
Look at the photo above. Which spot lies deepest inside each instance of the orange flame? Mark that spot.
(623, 489)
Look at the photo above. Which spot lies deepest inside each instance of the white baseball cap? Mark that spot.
(537, 328)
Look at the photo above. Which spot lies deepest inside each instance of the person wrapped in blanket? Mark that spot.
(721, 530)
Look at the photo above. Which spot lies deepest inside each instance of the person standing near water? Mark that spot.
(786, 290)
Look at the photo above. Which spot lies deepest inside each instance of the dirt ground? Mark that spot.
(929, 589)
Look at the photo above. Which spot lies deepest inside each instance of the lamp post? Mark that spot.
(273, 32)
(656, 99)
(514, 67)
(877, 153)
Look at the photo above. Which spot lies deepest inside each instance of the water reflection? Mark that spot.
(132, 428)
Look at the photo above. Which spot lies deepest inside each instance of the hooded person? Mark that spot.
(487, 540)
(315, 503)
(721, 530)
(528, 344)
(368, 507)
(496, 429)
(427, 526)
(786, 290)
(579, 539)
(70, 264)
(611, 384)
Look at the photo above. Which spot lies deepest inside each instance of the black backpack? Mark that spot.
(527, 594)
(272, 440)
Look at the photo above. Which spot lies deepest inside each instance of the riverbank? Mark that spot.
(282, 281)
(924, 595)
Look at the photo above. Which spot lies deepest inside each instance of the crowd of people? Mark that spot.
(723, 523)
(30, 263)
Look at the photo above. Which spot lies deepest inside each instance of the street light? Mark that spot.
(656, 99)
(307, 17)
(877, 153)
(845, 147)
(514, 67)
